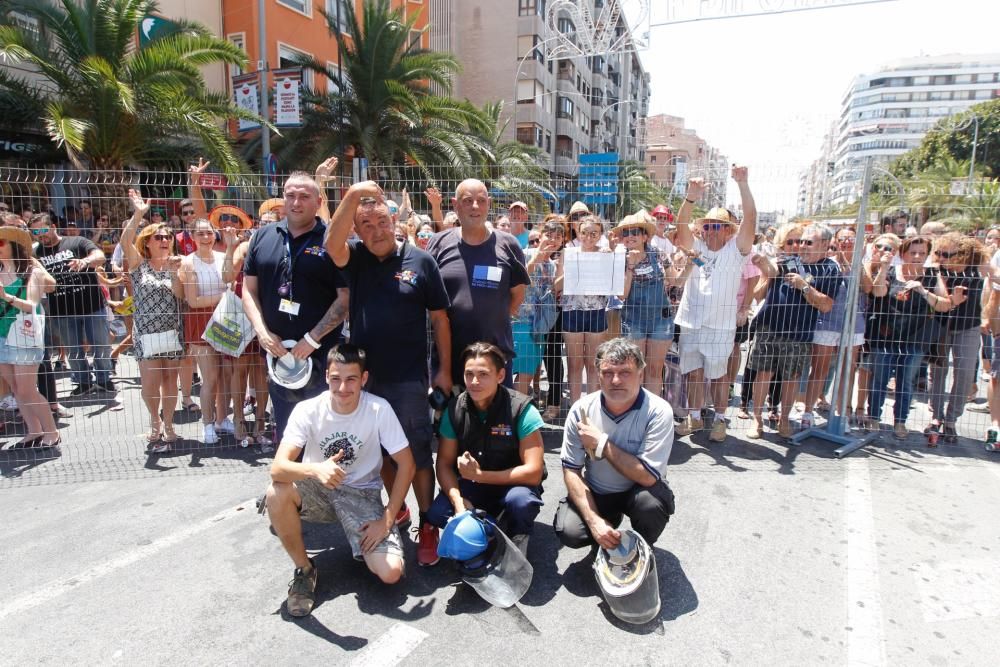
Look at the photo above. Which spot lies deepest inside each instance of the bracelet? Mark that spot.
(309, 339)
(690, 201)
(601, 444)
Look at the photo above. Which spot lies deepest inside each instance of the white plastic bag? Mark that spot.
(229, 331)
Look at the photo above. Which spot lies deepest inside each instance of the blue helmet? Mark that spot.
(464, 537)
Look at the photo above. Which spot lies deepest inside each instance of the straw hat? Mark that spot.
(16, 235)
(578, 207)
(719, 214)
(638, 219)
(269, 206)
(216, 214)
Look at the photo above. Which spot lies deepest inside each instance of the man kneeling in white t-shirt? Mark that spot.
(338, 479)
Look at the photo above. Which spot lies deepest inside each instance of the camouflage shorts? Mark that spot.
(351, 508)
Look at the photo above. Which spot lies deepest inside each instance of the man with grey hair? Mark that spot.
(292, 293)
(615, 449)
(804, 281)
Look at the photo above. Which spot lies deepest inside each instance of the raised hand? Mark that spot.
(325, 170)
(696, 189)
(739, 174)
(196, 170)
(140, 205)
(433, 197)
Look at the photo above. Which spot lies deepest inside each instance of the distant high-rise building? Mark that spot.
(886, 113)
(675, 153)
(566, 106)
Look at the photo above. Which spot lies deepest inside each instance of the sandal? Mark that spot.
(27, 442)
(191, 407)
(154, 433)
(169, 434)
(743, 414)
(162, 448)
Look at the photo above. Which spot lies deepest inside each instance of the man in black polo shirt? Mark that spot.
(291, 293)
(393, 286)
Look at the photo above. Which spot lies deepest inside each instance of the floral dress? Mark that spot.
(156, 308)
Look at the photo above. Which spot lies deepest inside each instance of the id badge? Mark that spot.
(289, 306)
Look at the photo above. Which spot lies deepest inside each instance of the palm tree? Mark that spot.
(109, 103)
(636, 190)
(383, 108)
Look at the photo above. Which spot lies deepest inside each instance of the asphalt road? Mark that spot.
(777, 555)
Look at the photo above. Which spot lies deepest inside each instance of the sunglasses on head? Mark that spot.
(631, 231)
(40, 230)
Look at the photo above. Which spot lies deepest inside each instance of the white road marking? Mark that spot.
(54, 589)
(391, 647)
(957, 589)
(865, 640)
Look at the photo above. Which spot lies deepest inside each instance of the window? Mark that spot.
(566, 27)
(548, 142)
(28, 24)
(415, 38)
(301, 6)
(337, 11)
(963, 78)
(564, 107)
(526, 7)
(238, 39)
(652, 159)
(289, 57)
(941, 80)
(527, 44)
(529, 90)
(921, 80)
(982, 94)
(984, 78)
(937, 96)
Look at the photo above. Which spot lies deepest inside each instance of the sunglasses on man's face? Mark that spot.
(713, 226)
(532, 242)
(630, 231)
(38, 231)
(794, 241)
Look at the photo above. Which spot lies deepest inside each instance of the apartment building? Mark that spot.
(567, 106)
(887, 112)
(675, 153)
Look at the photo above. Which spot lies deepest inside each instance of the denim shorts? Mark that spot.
(20, 356)
(585, 321)
(653, 327)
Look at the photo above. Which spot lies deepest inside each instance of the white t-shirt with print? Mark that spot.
(314, 425)
(710, 293)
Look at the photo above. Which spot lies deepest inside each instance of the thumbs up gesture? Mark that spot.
(328, 473)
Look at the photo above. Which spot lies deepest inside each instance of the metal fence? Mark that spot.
(104, 433)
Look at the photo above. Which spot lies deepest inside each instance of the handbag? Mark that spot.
(543, 316)
(229, 331)
(161, 342)
(28, 329)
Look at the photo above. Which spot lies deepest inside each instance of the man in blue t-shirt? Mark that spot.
(803, 283)
(484, 273)
(394, 285)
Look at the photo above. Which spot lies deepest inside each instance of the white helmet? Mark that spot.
(627, 578)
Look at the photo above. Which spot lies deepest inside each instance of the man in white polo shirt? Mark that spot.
(708, 310)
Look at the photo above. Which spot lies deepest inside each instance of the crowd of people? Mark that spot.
(378, 331)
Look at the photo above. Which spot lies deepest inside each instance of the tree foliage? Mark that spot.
(952, 138)
(105, 101)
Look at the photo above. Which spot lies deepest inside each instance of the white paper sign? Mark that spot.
(248, 100)
(593, 273)
(287, 101)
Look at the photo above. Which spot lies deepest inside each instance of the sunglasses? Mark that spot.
(162, 237)
(793, 242)
(187, 212)
(807, 242)
(533, 242)
(885, 248)
(713, 226)
(945, 254)
(424, 235)
(40, 230)
(592, 232)
(630, 231)
(401, 238)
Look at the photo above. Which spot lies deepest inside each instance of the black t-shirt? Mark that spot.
(899, 321)
(479, 279)
(968, 314)
(77, 292)
(786, 311)
(389, 304)
(304, 266)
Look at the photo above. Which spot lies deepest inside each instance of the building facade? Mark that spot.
(886, 113)
(566, 106)
(675, 153)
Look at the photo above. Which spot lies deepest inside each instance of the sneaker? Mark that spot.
(81, 389)
(807, 420)
(403, 518)
(265, 443)
(209, 436)
(8, 402)
(302, 591)
(756, 431)
(718, 433)
(161, 448)
(521, 542)
(689, 426)
(427, 546)
(226, 426)
(899, 430)
(108, 386)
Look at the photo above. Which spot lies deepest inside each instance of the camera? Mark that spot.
(437, 399)
(791, 264)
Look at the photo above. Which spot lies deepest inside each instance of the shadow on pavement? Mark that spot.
(311, 625)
